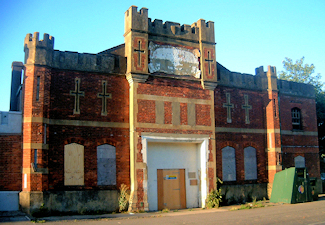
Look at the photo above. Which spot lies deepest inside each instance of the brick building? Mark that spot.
(157, 113)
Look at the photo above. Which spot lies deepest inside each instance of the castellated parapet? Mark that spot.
(296, 89)
(38, 51)
(139, 21)
(261, 81)
(41, 52)
(240, 80)
(195, 32)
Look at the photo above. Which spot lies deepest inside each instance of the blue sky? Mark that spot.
(248, 33)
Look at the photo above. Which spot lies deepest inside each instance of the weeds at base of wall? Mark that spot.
(38, 221)
(165, 210)
(41, 212)
(252, 205)
(123, 199)
(214, 198)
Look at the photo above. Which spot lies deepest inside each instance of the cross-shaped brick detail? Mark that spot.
(209, 60)
(139, 50)
(104, 96)
(209, 63)
(247, 108)
(229, 106)
(77, 94)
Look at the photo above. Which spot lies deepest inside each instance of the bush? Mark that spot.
(214, 197)
(123, 199)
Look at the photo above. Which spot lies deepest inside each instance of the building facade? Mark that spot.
(159, 114)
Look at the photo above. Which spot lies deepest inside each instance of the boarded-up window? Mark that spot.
(300, 162)
(250, 163)
(106, 165)
(73, 164)
(228, 164)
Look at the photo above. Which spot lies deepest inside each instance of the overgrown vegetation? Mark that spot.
(165, 210)
(250, 205)
(214, 198)
(123, 199)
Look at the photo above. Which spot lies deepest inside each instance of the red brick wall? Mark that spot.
(256, 114)
(308, 112)
(62, 103)
(203, 115)
(173, 88)
(300, 145)
(56, 103)
(10, 163)
(168, 112)
(239, 141)
(146, 111)
(183, 112)
(90, 138)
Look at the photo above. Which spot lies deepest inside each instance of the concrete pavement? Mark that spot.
(19, 216)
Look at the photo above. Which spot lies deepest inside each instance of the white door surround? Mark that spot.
(198, 157)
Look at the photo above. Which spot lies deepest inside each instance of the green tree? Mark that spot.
(301, 73)
(304, 73)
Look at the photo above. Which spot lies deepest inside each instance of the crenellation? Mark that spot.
(206, 31)
(185, 31)
(241, 80)
(38, 51)
(155, 23)
(259, 71)
(47, 42)
(136, 20)
(85, 61)
(186, 28)
(296, 89)
(271, 71)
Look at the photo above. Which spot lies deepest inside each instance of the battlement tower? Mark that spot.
(150, 46)
(38, 51)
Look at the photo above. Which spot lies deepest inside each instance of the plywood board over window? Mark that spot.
(300, 162)
(250, 163)
(106, 165)
(73, 164)
(228, 164)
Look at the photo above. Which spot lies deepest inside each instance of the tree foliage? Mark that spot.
(304, 73)
(301, 73)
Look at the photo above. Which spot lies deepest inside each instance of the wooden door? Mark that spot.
(171, 189)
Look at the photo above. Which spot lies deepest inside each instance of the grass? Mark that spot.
(250, 205)
(165, 210)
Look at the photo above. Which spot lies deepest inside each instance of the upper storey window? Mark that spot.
(296, 119)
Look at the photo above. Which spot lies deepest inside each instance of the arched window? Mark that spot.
(296, 119)
(228, 164)
(250, 163)
(106, 165)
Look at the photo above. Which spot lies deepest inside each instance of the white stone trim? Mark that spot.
(204, 156)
